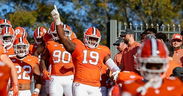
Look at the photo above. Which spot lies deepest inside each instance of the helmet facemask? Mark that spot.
(152, 67)
(8, 41)
(152, 59)
(54, 35)
(38, 40)
(21, 49)
(92, 41)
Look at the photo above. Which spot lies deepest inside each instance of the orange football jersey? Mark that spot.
(10, 52)
(127, 75)
(32, 48)
(122, 77)
(24, 68)
(2, 50)
(88, 63)
(4, 77)
(60, 59)
(169, 87)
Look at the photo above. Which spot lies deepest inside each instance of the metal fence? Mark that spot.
(116, 27)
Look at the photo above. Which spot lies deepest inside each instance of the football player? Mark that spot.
(4, 23)
(88, 57)
(41, 36)
(8, 37)
(62, 69)
(7, 70)
(39, 42)
(152, 60)
(26, 66)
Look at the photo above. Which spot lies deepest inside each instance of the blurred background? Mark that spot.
(81, 14)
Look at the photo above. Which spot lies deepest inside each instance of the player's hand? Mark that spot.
(36, 92)
(115, 75)
(46, 75)
(15, 89)
(56, 16)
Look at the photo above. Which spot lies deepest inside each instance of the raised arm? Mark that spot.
(68, 44)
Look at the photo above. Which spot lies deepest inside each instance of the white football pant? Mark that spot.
(80, 89)
(60, 85)
(21, 93)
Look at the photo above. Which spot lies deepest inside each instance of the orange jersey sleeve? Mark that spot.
(2, 50)
(88, 63)
(60, 59)
(4, 77)
(25, 68)
(33, 48)
(10, 52)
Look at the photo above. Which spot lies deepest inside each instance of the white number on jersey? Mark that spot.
(94, 56)
(61, 56)
(24, 75)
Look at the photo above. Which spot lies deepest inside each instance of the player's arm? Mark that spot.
(112, 66)
(39, 50)
(38, 79)
(46, 74)
(14, 78)
(68, 44)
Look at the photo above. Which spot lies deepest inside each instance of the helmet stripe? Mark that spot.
(38, 32)
(94, 31)
(24, 34)
(6, 30)
(20, 39)
(154, 47)
(5, 21)
(65, 26)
